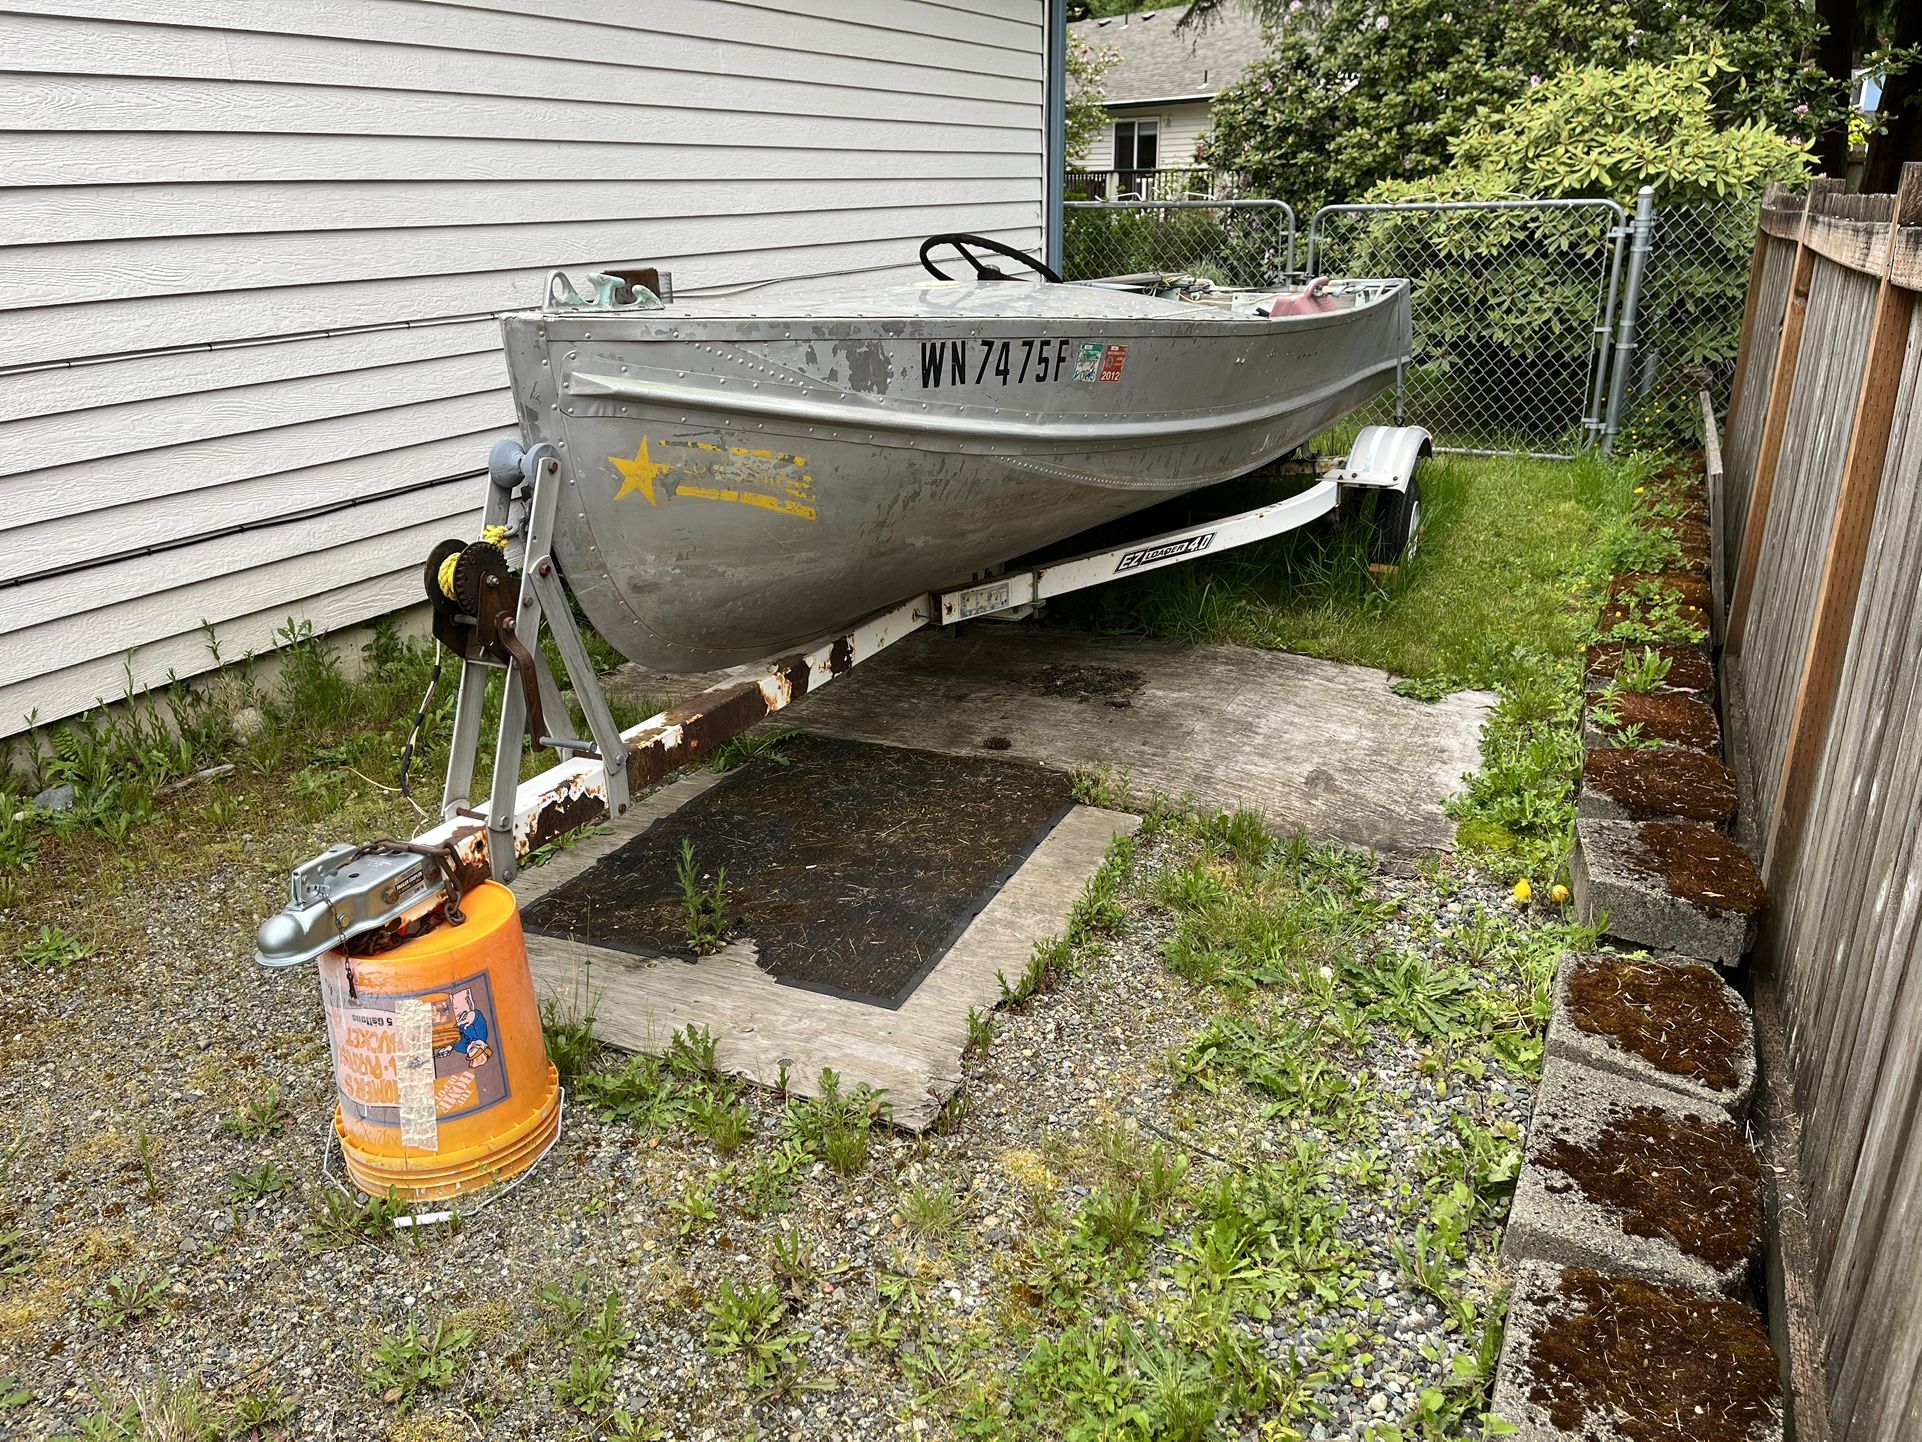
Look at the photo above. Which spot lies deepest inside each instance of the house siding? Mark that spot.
(1182, 125)
(251, 252)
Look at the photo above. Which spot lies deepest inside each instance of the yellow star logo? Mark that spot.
(638, 474)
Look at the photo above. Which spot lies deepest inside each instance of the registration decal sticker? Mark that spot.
(1112, 362)
(1089, 365)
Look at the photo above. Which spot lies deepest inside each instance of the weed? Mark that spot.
(567, 1301)
(930, 1212)
(17, 1251)
(403, 1366)
(50, 947)
(260, 1116)
(626, 1427)
(340, 1221)
(13, 1396)
(588, 1387)
(1118, 1217)
(1642, 671)
(788, 1256)
(125, 1299)
(704, 904)
(845, 1149)
(980, 1032)
(571, 1044)
(835, 1126)
(694, 1209)
(723, 1121)
(739, 750)
(262, 1181)
(1099, 784)
(259, 1415)
(147, 1157)
(746, 1321)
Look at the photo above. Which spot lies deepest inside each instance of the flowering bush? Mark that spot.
(1358, 92)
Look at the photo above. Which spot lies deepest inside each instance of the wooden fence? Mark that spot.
(1821, 521)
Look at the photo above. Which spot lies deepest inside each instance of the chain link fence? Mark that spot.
(1512, 301)
(1231, 242)
(1519, 306)
(1689, 318)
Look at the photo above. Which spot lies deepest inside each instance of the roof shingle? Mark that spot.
(1158, 62)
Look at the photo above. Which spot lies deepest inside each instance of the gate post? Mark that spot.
(1642, 230)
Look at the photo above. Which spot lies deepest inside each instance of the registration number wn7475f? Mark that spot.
(1018, 362)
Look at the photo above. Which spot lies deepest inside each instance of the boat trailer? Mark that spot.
(491, 618)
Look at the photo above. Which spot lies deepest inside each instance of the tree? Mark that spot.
(1357, 92)
(1899, 137)
(1085, 113)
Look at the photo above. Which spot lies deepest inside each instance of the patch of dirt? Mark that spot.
(1688, 534)
(1678, 720)
(1679, 1019)
(1688, 1180)
(1654, 784)
(1688, 668)
(997, 743)
(1116, 685)
(1701, 865)
(1657, 1364)
(1690, 590)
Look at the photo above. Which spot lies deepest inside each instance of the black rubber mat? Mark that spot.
(854, 867)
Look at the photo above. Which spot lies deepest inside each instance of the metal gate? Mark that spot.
(1513, 303)
(1231, 242)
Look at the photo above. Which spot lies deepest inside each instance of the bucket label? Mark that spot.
(415, 1061)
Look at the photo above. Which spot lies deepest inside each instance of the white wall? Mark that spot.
(1181, 126)
(251, 250)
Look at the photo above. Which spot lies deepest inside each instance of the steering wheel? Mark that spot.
(961, 244)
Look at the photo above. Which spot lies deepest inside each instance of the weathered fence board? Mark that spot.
(1755, 374)
(1840, 537)
(1795, 528)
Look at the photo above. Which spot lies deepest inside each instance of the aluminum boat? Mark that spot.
(748, 472)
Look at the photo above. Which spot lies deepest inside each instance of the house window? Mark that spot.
(1135, 144)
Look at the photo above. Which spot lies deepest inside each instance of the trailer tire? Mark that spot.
(1397, 526)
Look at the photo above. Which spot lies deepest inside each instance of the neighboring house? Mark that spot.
(251, 255)
(1158, 93)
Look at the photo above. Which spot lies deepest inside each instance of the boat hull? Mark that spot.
(740, 484)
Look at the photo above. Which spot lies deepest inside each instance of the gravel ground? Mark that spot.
(117, 1073)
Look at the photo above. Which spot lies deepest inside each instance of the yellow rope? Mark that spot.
(495, 536)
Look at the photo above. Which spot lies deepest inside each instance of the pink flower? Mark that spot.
(1533, 81)
(1801, 110)
(1381, 22)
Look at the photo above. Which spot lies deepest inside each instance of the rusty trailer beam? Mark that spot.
(573, 793)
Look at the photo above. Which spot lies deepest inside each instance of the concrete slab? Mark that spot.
(1616, 885)
(1662, 1021)
(1632, 1178)
(1311, 745)
(767, 1032)
(1592, 1358)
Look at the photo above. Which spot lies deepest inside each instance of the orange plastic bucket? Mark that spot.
(439, 1062)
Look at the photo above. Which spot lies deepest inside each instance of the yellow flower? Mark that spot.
(1558, 894)
(1523, 891)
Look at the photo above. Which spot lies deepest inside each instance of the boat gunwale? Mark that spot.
(666, 326)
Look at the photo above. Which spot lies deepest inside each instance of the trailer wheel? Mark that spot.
(1397, 527)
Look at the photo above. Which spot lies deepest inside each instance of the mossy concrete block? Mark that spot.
(1635, 784)
(1590, 1357)
(1626, 1177)
(1664, 1021)
(1619, 886)
(1663, 720)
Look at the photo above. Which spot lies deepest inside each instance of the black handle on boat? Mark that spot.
(984, 272)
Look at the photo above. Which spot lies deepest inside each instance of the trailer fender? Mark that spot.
(1383, 457)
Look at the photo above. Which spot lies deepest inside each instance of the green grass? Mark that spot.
(1502, 594)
